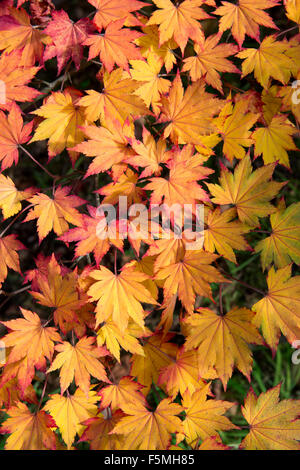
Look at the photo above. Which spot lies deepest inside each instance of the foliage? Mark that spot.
(126, 342)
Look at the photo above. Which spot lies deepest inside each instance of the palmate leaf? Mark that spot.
(249, 191)
(148, 430)
(222, 341)
(279, 309)
(283, 244)
(273, 423)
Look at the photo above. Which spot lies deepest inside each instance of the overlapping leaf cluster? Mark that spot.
(163, 108)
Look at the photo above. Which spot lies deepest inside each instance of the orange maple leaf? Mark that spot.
(16, 33)
(55, 214)
(29, 431)
(12, 134)
(9, 258)
(115, 46)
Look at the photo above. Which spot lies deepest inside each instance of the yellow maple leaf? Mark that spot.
(204, 417)
(222, 341)
(293, 10)
(98, 431)
(63, 118)
(70, 412)
(189, 276)
(10, 197)
(148, 430)
(149, 45)
(271, 59)
(223, 234)
(115, 339)
(119, 296)
(234, 124)
(158, 353)
(179, 21)
(80, 361)
(273, 140)
(116, 100)
(282, 246)
(280, 308)
(273, 423)
(249, 191)
(188, 115)
(151, 85)
(121, 394)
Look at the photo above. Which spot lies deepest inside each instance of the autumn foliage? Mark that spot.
(118, 343)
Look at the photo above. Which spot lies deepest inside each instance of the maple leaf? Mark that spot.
(29, 339)
(148, 154)
(149, 45)
(115, 46)
(179, 21)
(68, 38)
(210, 59)
(79, 361)
(148, 430)
(181, 187)
(245, 17)
(125, 186)
(15, 79)
(121, 394)
(152, 85)
(108, 144)
(189, 276)
(116, 99)
(273, 140)
(55, 214)
(234, 125)
(188, 115)
(29, 431)
(12, 134)
(213, 443)
(88, 239)
(9, 258)
(112, 10)
(63, 118)
(271, 59)
(98, 431)
(158, 353)
(293, 10)
(111, 335)
(222, 341)
(282, 246)
(10, 197)
(249, 191)
(204, 417)
(70, 412)
(59, 292)
(279, 309)
(16, 33)
(273, 423)
(222, 234)
(182, 374)
(119, 296)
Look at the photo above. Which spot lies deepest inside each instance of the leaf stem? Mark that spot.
(38, 163)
